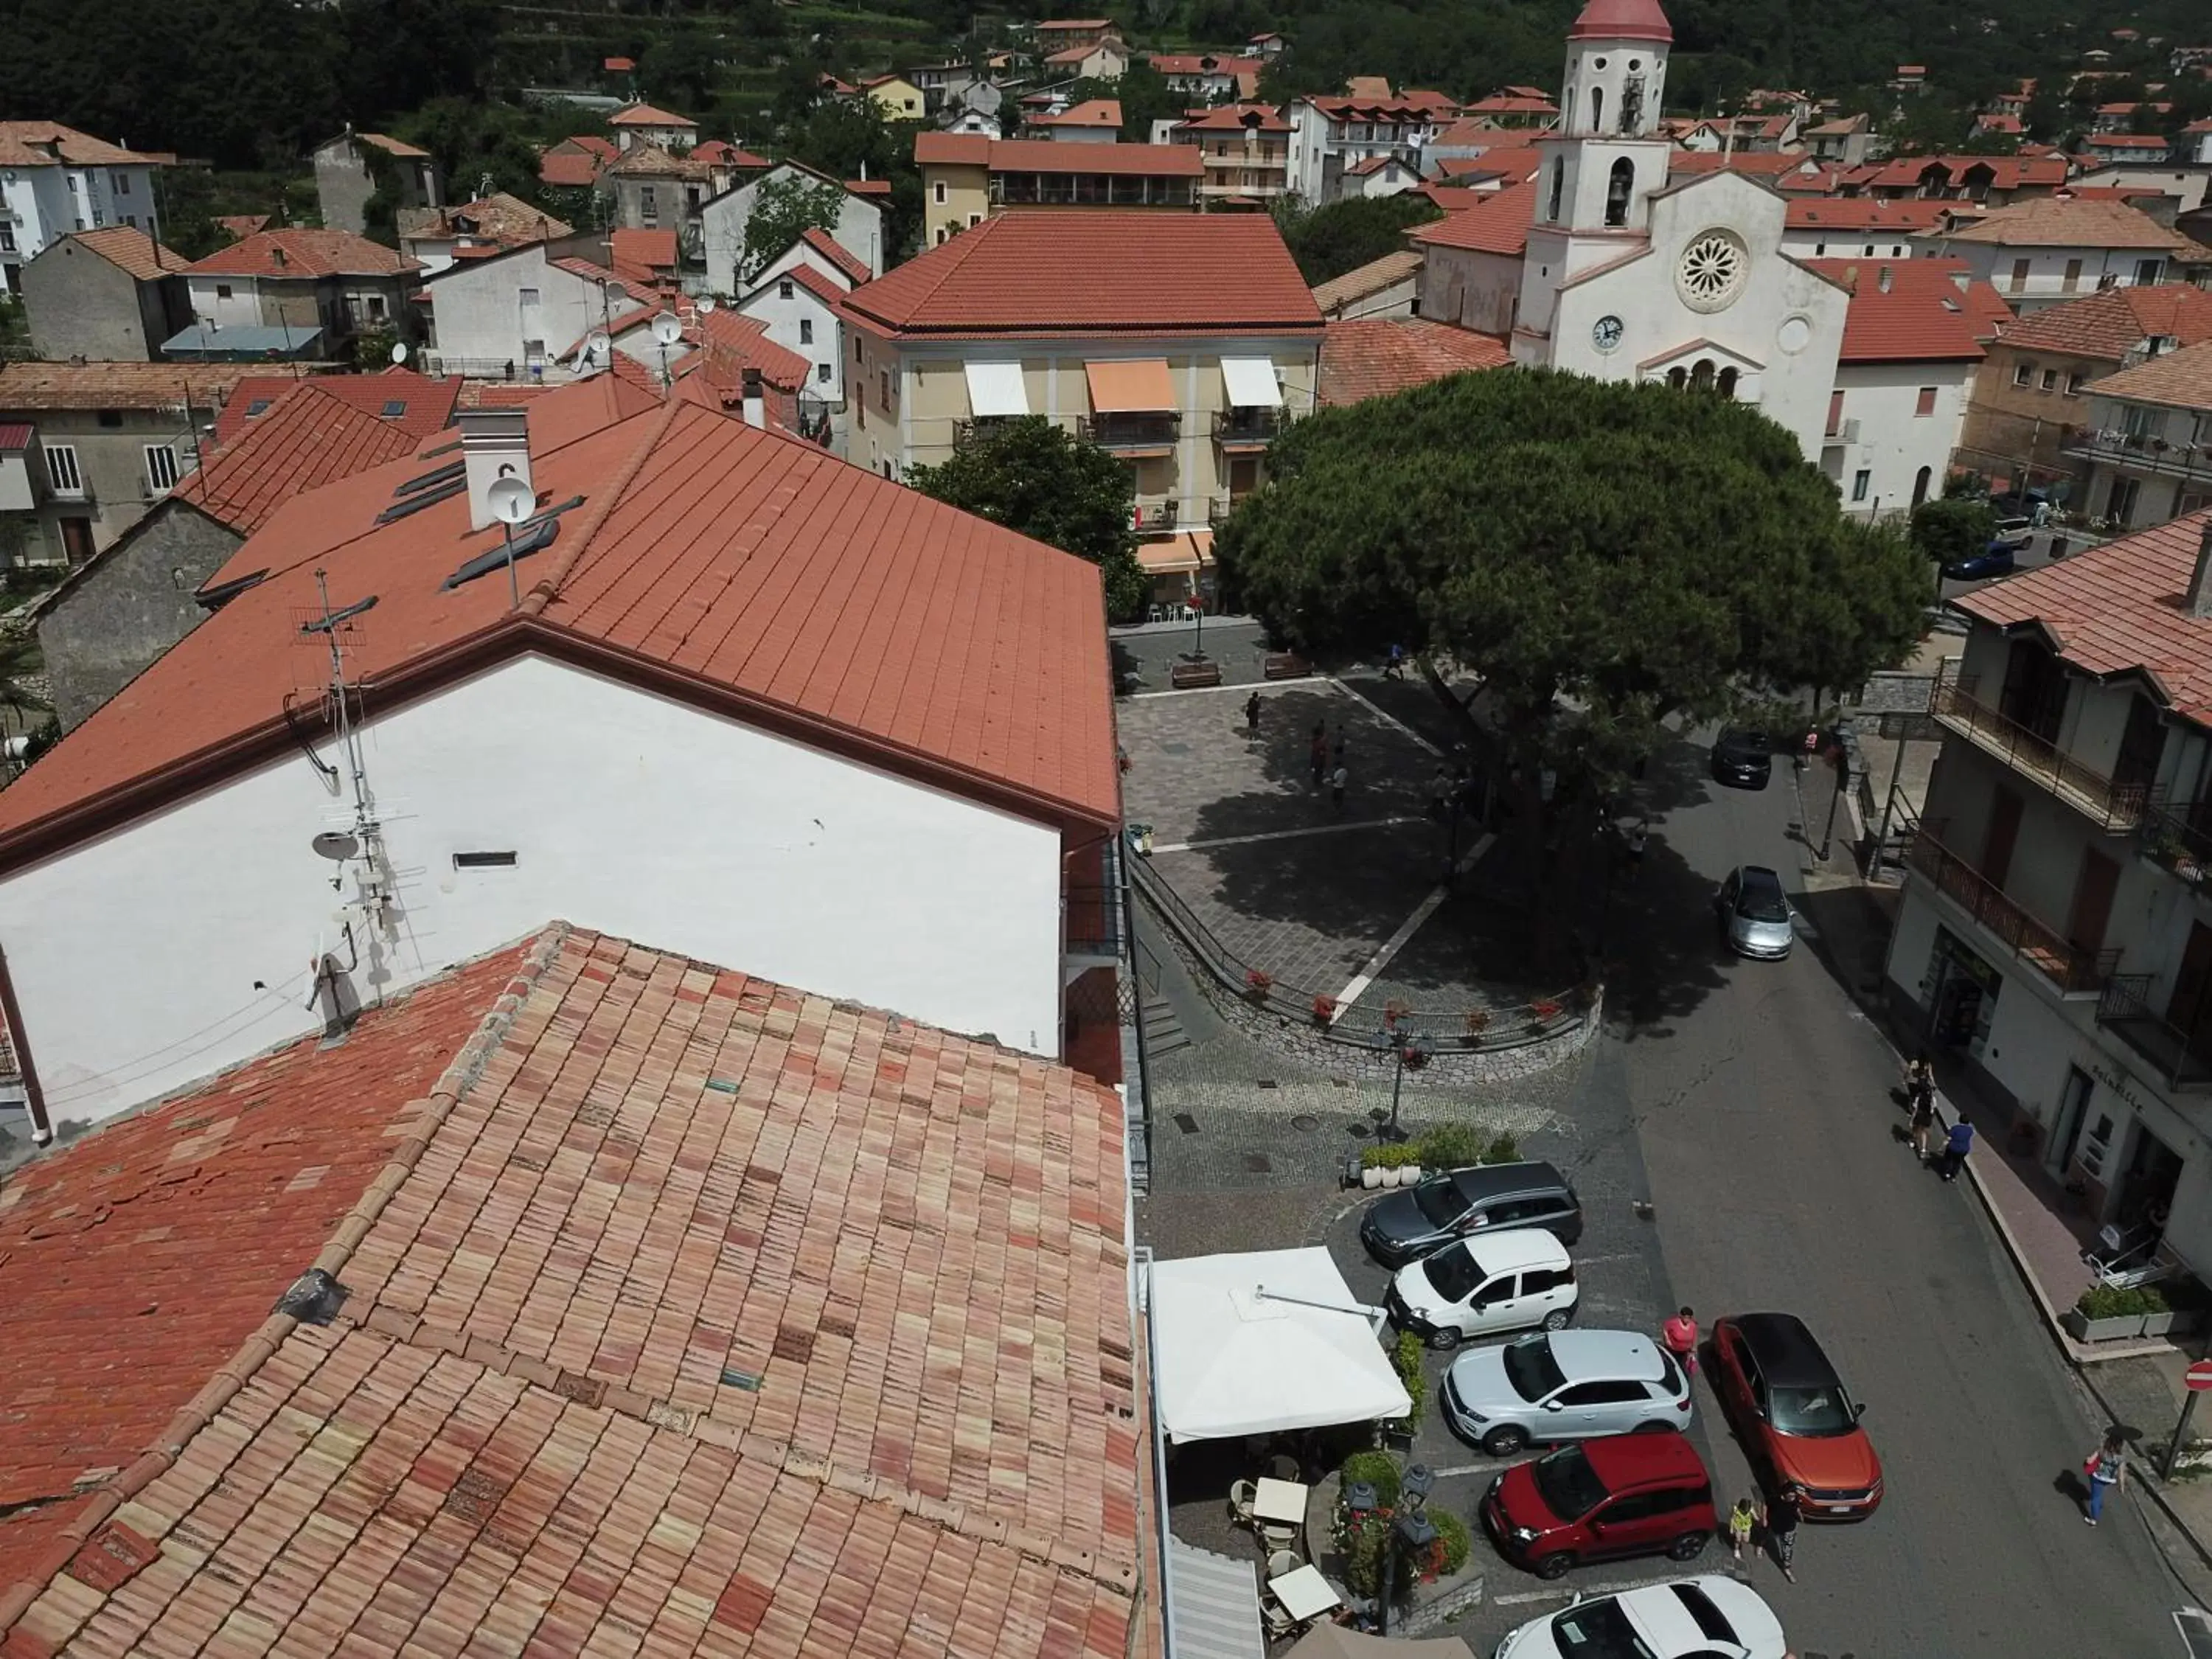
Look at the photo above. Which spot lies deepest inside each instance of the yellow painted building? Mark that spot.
(966, 177)
(896, 98)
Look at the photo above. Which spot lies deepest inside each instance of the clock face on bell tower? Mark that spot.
(1606, 333)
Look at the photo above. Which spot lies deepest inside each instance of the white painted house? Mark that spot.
(723, 218)
(2044, 253)
(55, 179)
(522, 315)
(1913, 340)
(706, 712)
(797, 296)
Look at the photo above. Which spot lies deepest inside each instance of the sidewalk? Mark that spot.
(2138, 1385)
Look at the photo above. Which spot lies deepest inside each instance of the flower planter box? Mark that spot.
(2085, 1329)
(2161, 1324)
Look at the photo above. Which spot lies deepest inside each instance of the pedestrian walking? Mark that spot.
(1780, 1520)
(2107, 1469)
(1440, 789)
(1341, 744)
(1395, 669)
(1922, 1087)
(1252, 713)
(1638, 832)
(1337, 780)
(1680, 1334)
(1741, 1519)
(1956, 1145)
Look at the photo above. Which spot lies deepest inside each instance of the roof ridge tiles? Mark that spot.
(547, 587)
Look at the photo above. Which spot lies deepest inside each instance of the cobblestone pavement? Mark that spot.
(1143, 656)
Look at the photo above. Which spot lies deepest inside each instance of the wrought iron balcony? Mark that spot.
(1134, 433)
(2073, 970)
(2177, 838)
(1155, 516)
(2182, 1059)
(2141, 452)
(2107, 802)
(1247, 429)
(1091, 922)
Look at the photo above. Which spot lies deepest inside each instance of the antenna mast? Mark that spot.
(370, 889)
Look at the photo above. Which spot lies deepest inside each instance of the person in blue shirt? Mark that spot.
(1395, 668)
(1959, 1142)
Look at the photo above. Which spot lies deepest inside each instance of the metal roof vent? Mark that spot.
(494, 445)
(315, 1299)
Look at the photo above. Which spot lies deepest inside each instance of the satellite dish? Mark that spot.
(596, 347)
(399, 351)
(335, 845)
(511, 500)
(706, 304)
(666, 329)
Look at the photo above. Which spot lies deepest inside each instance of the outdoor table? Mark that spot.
(1282, 1502)
(1304, 1594)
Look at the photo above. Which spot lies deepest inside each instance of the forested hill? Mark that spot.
(255, 83)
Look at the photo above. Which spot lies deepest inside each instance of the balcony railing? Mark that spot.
(2177, 838)
(1844, 433)
(979, 426)
(1249, 428)
(2071, 968)
(2105, 801)
(1219, 509)
(1155, 516)
(2141, 452)
(1133, 432)
(1092, 921)
(2182, 1059)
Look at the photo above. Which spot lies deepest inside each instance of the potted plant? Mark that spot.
(1324, 1009)
(1257, 983)
(1478, 1021)
(2106, 1313)
(1544, 1010)
(2158, 1314)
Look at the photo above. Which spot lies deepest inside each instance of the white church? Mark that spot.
(1619, 273)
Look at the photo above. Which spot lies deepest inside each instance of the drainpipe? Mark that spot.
(42, 1127)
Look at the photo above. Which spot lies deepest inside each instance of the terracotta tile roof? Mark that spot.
(2063, 222)
(2006, 172)
(425, 405)
(131, 249)
(1075, 272)
(641, 292)
(837, 253)
(1498, 224)
(882, 187)
(720, 152)
(390, 146)
(747, 572)
(1864, 213)
(640, 256)
(1754, 163)
(645, 115)
(2113, 323)
(1505, 103)
(2125, 141)
(820, 1342)
(49, 143)
(242, 224)
(1377, 106)
(1236, 117)
(304, 254)
(117, 385)
(1913, 310)
(1374, 356)
(1621, 20)
(2182, 379)
(653, 161)
(498, 217)
(733, 343)
(1047, 156)
(304, 443)
(1091, 113)
(1374, 164)
(142, 1257)
(2118, 608)
(1473, 135)
(568, 170)
(1513, 164)
(1198, 63)
(1369, 278)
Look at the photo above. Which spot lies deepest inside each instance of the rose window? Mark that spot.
(1712, 270)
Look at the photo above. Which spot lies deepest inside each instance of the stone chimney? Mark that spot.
(2198, 600)
(494, 445)
(755, 402)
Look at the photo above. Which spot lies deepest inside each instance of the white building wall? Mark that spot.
(238, 308)
(1895, 440)
(2045, 281)
(1474, 290)
(1834, 243)
(482, 321)
(858, 230)
(791, 322)
(182, 944)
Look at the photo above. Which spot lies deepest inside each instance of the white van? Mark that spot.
(1486, 1285)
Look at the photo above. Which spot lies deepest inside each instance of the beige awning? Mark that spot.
(1130, 388)
(1191, 550)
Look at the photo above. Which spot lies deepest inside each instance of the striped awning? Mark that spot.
(1213, 1605)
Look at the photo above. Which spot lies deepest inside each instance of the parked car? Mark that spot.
(1756, 919)
(1995, 559)
(1624, 1494)
(1708, 1617)
(1797, 1420)
(1563, 1385)
(2013, 533)
(1743, 758)
(1405, 1225)
(1482, 1286)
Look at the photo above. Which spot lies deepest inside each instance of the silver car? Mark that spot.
(1756, 919)
(1563, 1385)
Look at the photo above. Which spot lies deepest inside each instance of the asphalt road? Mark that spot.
(1763, 1110)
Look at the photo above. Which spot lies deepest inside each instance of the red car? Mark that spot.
(1620, 1494)
(1797, 1421)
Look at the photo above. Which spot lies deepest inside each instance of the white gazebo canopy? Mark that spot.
(1262, 1342)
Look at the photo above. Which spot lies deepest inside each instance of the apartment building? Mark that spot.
(355, 166)
(1864, 228)
(2025, 424)
(1180, 342)
(1331, 136)
(2040, 253)
(966, 179)
(2148, 443)
(317, 289)
(2056, 930)
(1245, 150)
(55, 179)
(87, 448)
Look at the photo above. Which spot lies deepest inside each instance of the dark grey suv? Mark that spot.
(1405, 1225)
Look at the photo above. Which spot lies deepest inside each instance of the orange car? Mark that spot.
(1796, 1420)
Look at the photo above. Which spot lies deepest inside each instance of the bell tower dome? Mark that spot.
(1616, 69)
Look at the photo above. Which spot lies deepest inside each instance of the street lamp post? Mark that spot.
(1411, 1048)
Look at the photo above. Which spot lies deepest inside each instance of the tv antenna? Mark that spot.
(511, 502)
(667, 331)
(362, 845)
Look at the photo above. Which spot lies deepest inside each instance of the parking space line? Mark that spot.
(1383, 713)
(1390, 946)
(1279, 834)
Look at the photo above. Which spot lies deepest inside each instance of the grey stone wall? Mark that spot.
(80, 306)
(343, 186)
(114, 617)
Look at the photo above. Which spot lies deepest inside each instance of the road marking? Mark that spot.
(1374, 964)
(1466, 1468)
(1277, 834)
(1567, 1592)
(1383, 713)
(1192, 690)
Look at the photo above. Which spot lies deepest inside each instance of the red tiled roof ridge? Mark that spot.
(836, 254)
(309, 438)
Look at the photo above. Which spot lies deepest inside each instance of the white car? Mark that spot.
(1709, 1616)
(1491, 1283)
